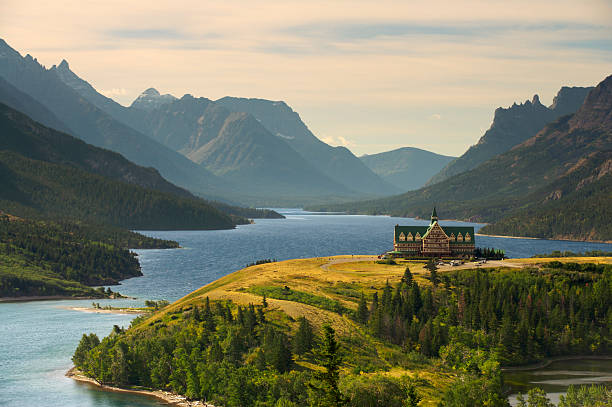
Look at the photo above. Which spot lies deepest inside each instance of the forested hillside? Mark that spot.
(259, 337)
(62, 259)
(47, 173)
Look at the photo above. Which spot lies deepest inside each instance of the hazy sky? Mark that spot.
(371, 75)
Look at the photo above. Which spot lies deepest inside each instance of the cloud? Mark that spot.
(338, 141)
(368, 73)
(160, 33)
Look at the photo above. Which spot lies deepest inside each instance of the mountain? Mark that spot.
(338, 163)
(93, 125)
(407, 168)
(45, 173)
(563, 171)
(512, 126)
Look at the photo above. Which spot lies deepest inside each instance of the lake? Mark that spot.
(37, 339)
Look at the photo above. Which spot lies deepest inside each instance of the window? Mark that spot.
(402, 237)
(452, 236)
(418, 236)
(467, 237)
(459, 237)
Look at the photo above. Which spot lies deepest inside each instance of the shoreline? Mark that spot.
(91, 310)
(163, 396)
(47, 298)
(545, 238)
(547, 362)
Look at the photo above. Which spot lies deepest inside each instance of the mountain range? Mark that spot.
(512, 126)
(407, 168)
(272, 157)
(556, 184)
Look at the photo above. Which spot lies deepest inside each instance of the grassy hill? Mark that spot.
(258, 336)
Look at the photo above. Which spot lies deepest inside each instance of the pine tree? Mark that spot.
(362, 310)
(433, 271)
(324, 386)
(407, 277)
(303, 340)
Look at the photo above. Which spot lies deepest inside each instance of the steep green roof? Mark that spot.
(422, 230)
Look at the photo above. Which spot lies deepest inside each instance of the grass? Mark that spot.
(287, 294)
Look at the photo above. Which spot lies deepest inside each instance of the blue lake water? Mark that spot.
(37, 339)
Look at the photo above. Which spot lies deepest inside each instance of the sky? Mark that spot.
(369, 75)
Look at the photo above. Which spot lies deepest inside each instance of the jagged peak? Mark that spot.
(64, 65)
(536, 100)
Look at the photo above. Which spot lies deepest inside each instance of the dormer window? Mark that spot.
(452, 236)
(467, 237)
(402, 237)
(410, 237)
(459, 237)
(418, 236)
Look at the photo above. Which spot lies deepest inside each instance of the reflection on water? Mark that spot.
(558, 376)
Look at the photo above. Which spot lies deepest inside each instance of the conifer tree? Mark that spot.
(324, 386)
(433, 271)
(303, 340)
(362, 310)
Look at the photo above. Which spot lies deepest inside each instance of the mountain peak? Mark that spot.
(63, 65)
(151, 99)
(151, 92)
(536, 100)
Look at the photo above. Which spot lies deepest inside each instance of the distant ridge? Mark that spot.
(407, 168)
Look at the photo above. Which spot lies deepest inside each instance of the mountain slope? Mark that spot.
(512, 126)
(94, 126)
(50, 174)
(336, 162)
(407, 168)
(566, 155)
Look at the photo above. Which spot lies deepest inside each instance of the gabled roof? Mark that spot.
(423, 230)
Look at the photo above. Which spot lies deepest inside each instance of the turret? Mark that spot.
(434, 216)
